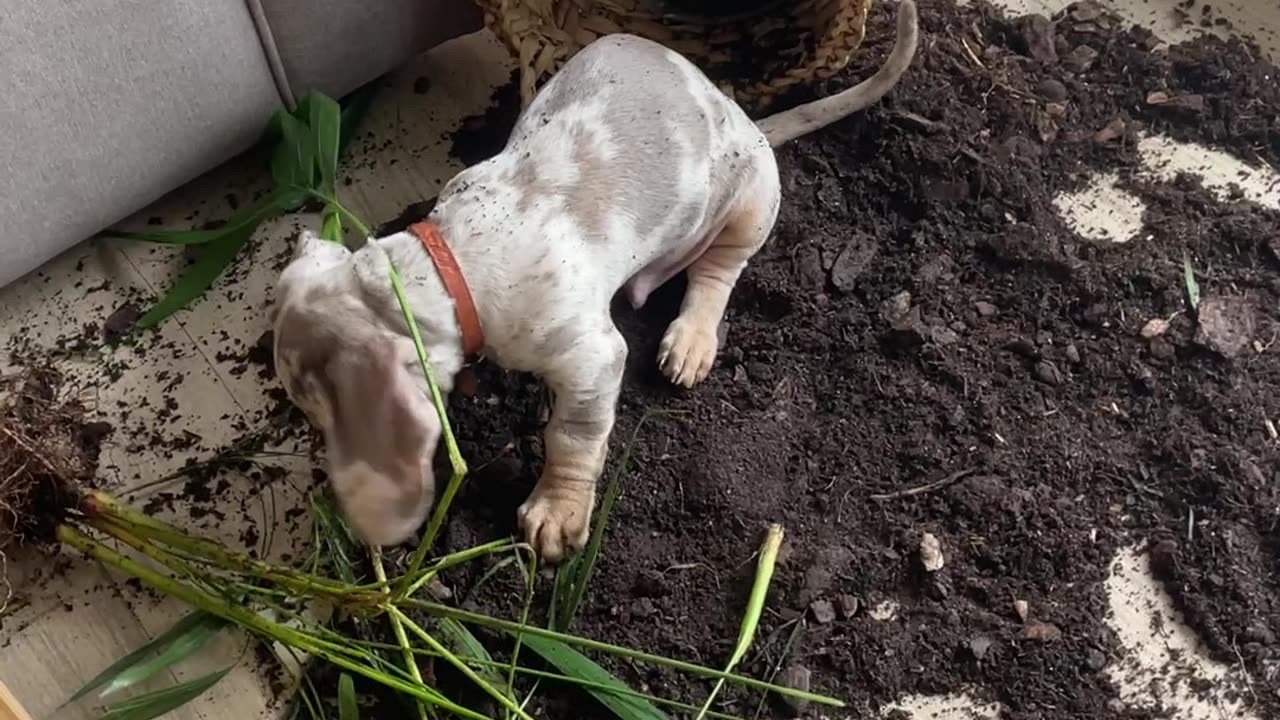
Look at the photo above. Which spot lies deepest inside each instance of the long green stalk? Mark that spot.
(397, 628)
(755, 605)
(457, 662)
(513, 628)
(456, 462)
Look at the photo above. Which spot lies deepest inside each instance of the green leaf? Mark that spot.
(272, 204)
(576, 665)
(179, 649)
(293, 163)
(325, 120)
(187, 625)
(464, 644)
(212, 260)
(155, 704)
(347, 708)
(1189, 279)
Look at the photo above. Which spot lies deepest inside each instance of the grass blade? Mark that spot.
(466, 645)
(1189, 280)
(179, 629)
(573, 577)
(180, 647)
(755, 605)
(212, 261)
(276, 202)
(576, 665)
(155, 704)
(293, 163)
(347, 708)
(326, 120)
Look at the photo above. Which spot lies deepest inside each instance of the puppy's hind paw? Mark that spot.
(687, 352)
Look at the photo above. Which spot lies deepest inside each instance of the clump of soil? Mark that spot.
(48, 450)
(924, 318)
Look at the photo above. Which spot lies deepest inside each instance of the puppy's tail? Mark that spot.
(797, 122)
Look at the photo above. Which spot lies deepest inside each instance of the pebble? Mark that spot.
(1080, 59)
(979, 645)
(985, 309)
(1041, 632)
(823, 611)
(1073, 354)
(931, 553)
(848, 606)
(1047, 372)
(643, 608)
(795, 677)
(1095, 660)
(1052, 90)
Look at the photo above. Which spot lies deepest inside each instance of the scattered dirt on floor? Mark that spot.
(923, 315)
(924, 319)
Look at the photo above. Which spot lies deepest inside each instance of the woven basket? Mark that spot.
(754, 55)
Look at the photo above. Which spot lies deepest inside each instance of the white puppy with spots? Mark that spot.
(628, 167)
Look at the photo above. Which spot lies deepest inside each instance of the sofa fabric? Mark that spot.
(335, 46)
(107, 105)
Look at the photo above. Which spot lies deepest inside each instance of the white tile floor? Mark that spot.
(59, 645)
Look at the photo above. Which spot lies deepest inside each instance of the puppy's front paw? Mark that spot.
(556, 522)
(688, 351)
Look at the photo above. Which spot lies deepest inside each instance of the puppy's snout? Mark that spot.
(382, 510)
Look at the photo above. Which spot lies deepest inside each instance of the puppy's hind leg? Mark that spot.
(689, 347)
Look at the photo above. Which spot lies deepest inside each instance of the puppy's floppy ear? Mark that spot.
(311, 245)
(384, 439)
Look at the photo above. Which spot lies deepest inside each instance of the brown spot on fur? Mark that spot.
(560, 339)
(597, 189)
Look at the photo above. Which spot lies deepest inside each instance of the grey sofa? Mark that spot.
(106, 105)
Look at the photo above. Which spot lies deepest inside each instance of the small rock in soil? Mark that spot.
(852, 261)
(1022, 609)
(847, 605)
(1080, 59)
(931, 553)
(1052, 90)
(1095, 660)
(823, 611)
(1048, 373)
(1035, 38)
(1154, 328)
(1073, 354)
(1041, 632)
(1226, 325)
(978, 646)
(1260, 633)
(1191, 103)
(795, 677)
(985, 309)
(1112, 130)
(643, 608)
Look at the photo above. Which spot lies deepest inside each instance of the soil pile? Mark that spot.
(923, 315)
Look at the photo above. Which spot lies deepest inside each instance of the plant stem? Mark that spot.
(513, 628)
(251, 621)
(347, 214)
(375, 554)
(462, 667)
(456, 462)
(755, 605)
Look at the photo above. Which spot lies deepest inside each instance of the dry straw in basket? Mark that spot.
(755, 55)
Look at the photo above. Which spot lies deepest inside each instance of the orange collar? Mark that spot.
(454, 285)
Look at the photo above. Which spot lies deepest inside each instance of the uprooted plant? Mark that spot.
(295, 607)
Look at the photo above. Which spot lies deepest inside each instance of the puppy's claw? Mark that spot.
(555, 525)
(687, 352)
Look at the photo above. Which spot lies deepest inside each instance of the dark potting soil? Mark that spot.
(923, 314)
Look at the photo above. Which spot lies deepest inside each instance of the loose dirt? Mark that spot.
(924, 355)
(923, 316)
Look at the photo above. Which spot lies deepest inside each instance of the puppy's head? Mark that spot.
(359, 384)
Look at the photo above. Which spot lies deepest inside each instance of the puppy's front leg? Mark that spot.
(585, 383)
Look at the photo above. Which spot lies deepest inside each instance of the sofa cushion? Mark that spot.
(335, 46)
(107, 105)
